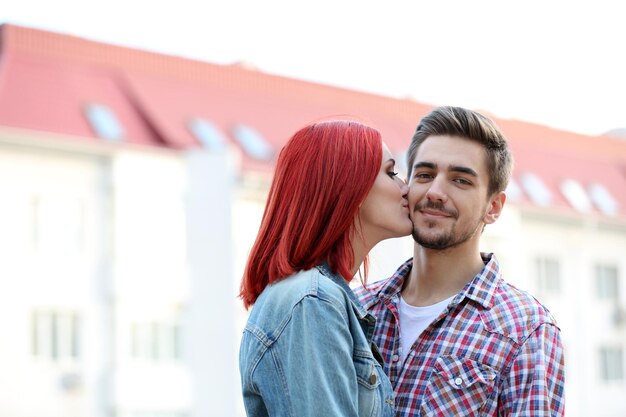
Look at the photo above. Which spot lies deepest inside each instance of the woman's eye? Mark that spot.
(392, 174)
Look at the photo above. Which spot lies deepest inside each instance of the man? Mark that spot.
(456, 338)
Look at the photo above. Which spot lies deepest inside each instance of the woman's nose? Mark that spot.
(404, 188)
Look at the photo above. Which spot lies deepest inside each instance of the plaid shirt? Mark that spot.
(494, 351)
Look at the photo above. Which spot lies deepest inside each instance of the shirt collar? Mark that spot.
(481, 288)
(394, 285)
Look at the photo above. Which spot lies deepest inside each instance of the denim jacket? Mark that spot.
(307, 351)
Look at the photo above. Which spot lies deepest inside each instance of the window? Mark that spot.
(536, 189)
(607, 282)
(603, 199)
(55, 335)
(548, 276)
(576, 195)
(208, 134)
(253, 143)
(155, 341)
(611, 364)
(104, 122)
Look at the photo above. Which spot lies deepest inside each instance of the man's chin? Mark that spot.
(436, 243)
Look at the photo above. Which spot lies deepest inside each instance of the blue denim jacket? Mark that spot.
(307, 351)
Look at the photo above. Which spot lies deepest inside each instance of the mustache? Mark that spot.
(438, 206)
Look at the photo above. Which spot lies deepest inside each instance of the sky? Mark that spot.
(553, 62)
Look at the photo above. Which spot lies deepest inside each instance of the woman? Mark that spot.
(306, 349)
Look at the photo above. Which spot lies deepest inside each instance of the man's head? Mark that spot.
(459, 165)
(468, 124)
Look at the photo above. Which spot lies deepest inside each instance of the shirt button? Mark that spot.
(458, 382)
(395, 358)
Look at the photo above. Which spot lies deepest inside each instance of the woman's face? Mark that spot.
(385, 212)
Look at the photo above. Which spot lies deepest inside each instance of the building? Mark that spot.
(131, 187)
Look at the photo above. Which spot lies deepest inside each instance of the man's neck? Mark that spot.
(440, 274)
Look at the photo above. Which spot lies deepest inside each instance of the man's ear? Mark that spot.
(496, 203)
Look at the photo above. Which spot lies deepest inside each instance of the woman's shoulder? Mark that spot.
(308, 283)
(278, 301)
(311, 283)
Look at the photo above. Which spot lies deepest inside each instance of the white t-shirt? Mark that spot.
(413, 321)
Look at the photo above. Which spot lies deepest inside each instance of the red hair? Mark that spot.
(322, 176)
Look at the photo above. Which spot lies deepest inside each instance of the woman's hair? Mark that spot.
(322, 176)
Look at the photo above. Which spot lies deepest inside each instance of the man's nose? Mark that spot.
(436, 191)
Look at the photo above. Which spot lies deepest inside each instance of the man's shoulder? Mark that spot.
(516, 313)
(368, 294)
(371, 293)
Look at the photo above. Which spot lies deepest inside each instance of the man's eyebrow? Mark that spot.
(453, 168)
(464, 170)
(424, 165)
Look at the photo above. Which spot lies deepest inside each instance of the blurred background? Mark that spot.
(137, 143)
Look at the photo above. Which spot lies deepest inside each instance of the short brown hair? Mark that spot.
(464, 123)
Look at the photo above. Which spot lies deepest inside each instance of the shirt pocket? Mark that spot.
(369, 379)
(457, 387)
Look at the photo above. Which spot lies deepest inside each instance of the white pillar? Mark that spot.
(100, 363)
(210, 322)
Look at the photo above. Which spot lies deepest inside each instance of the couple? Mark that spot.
(445, 335)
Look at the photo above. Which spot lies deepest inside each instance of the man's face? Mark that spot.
(448, 192)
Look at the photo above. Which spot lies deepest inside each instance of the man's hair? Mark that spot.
(323, 174)
(468, 124)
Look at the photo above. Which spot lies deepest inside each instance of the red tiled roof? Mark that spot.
(46, 79)
(170, 89)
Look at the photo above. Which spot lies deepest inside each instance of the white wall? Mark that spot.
(49, 245)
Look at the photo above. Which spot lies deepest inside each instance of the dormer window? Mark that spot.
(576, 195)
(536, 189)
(603, 199)
(209, 135)
(253, 143)
(104, 122)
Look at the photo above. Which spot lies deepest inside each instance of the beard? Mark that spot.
(446, 239)
(441, 241)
